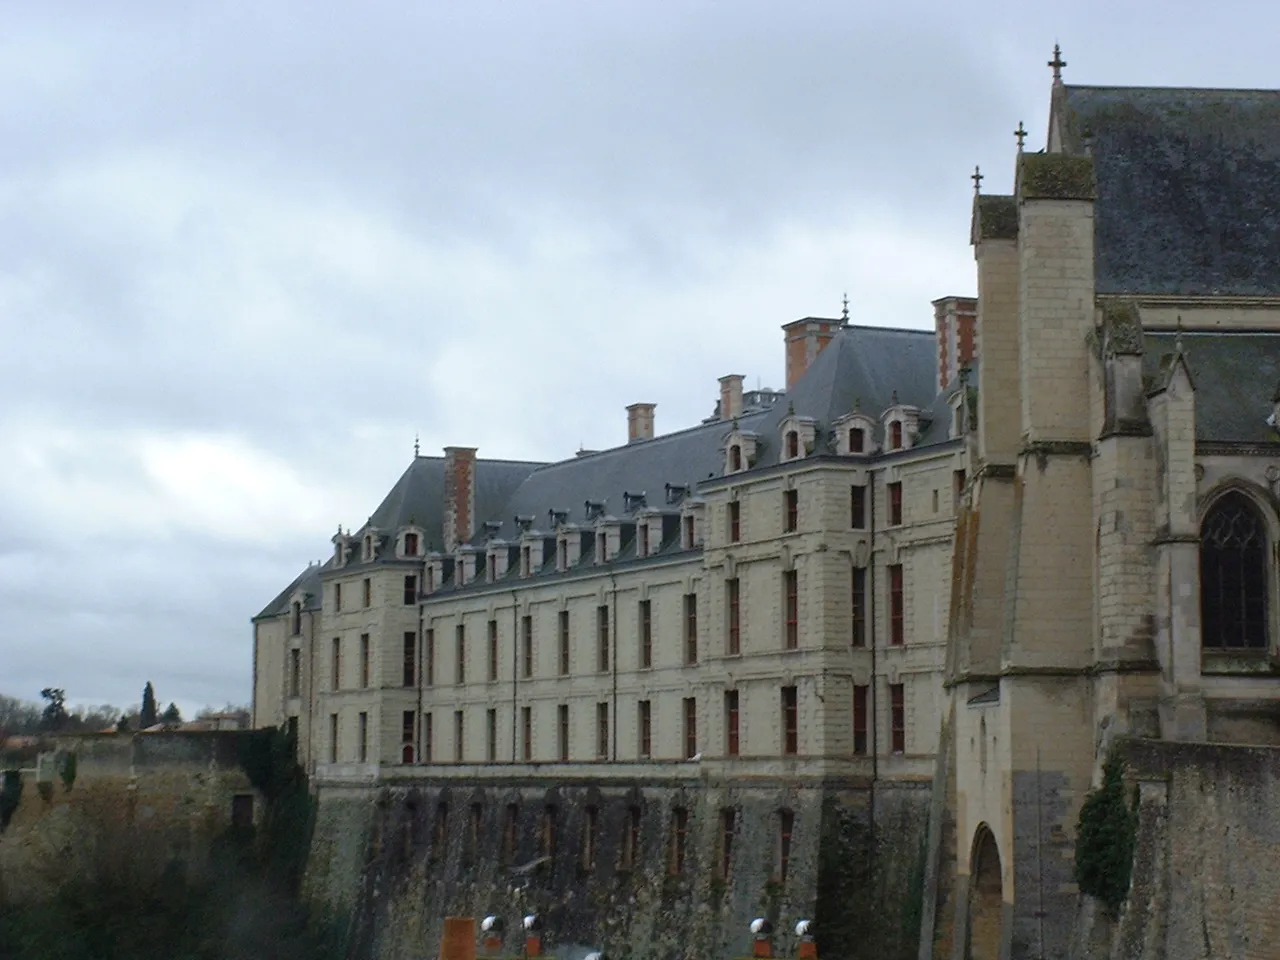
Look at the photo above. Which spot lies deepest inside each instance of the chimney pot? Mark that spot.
(731, 396)
(640, 422)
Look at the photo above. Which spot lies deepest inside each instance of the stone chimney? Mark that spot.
(956, 322)
(459, 495)
(731, 396)
(640, 422)
(805, 339)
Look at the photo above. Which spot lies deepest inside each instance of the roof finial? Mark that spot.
(895, 398)
(977, 179)
(415, 444)
(1057, 63)
(1021, 134)
(844, 313)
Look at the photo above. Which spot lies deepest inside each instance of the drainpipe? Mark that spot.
(874, 732)
(516, 642)
(613, 728)
(420, 669)
(311, 683)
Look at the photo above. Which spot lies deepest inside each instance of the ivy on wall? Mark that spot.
(10, 797)
(1105, 838)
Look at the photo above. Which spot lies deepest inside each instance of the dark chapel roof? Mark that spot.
(1188, 187)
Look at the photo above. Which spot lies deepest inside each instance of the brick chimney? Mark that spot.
(640, 422)
(956, 323)
(459, 495)
(731, 396)
(805, 339)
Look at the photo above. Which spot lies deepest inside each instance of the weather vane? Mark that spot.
(845, 312)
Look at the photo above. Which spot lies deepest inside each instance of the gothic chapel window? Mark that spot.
(1233, 577)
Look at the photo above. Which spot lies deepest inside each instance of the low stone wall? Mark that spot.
(1206, 872)
(392, 861)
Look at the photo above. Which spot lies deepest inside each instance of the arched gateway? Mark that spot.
(986, 896)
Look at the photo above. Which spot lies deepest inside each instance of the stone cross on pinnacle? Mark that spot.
(1021, 134)
(1057, 63)
(977, 179)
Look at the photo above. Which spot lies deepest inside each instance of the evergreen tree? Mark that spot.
(149, 714)
(54, 716)
(171, 714)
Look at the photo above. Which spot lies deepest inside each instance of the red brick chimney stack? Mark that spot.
(459, 495)
(956, 323)
(731, 396)
(805, 339)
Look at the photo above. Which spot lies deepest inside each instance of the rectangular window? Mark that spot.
(363, 753)
(895, 504)
(791, 608)
(858, 604)
(563, 554)
(409, 662)
(493, 650)
(333, 738)
(337, 663)
(491, 735)
(642, 539)
(562, 730)
(644, 723)
(790, 722)
(602, 731)
(526, 562)
(410, 589)
(786, 824)
(857, 440)
(895, 435)
(493, 567)
(510, 828)
(733, 644)
(526, 646)
(689, 539)
(431, 579)
(429, 657)
(548, 831)
(460, 653)
(690, 727)
(295, 673)
(408, 729)
(646, 634)
(631, 838)
(564, 643)
(860, 701)
(602, 638)
(690, 628)
(958, 480)
(791, 511)
(858, 507)
(459, 736)
(526, 734)
(898, 717)
(428, 737)
(364, 660)
(337, 598)
(727, 822)
(410, 544)
(735, 521)
(368, 592)
(679, 837)
(731, 723)
(896, 612)
(590, 823)
(935, 501)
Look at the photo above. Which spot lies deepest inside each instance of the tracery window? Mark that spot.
(1233, 577)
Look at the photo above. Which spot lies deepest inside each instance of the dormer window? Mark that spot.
(602, 547)
(526, 561)
(410, 544)
(895, 435)
(642, 538)
(493, 567)
(793, 444)
(799, 435)
(368, 548)
(296, 618)
(690, 531)
(735, 458)
(857, 440)
(562, 554)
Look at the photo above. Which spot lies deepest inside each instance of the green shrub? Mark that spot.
(1105, 838)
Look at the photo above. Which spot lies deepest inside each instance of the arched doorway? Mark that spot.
(986, 896)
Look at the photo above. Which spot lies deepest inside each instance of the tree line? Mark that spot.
(52, 715)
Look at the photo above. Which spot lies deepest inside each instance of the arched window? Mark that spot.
(735, 457)
(1233, 576)
(793, 444)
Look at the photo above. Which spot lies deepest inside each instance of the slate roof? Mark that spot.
(1235, 375)
(683, 458)
(863, 365)
(308, 581)
(1188, 186)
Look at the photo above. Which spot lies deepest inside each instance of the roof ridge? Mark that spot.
(1164, 89)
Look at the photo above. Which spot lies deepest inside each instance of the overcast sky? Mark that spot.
(247, 250)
